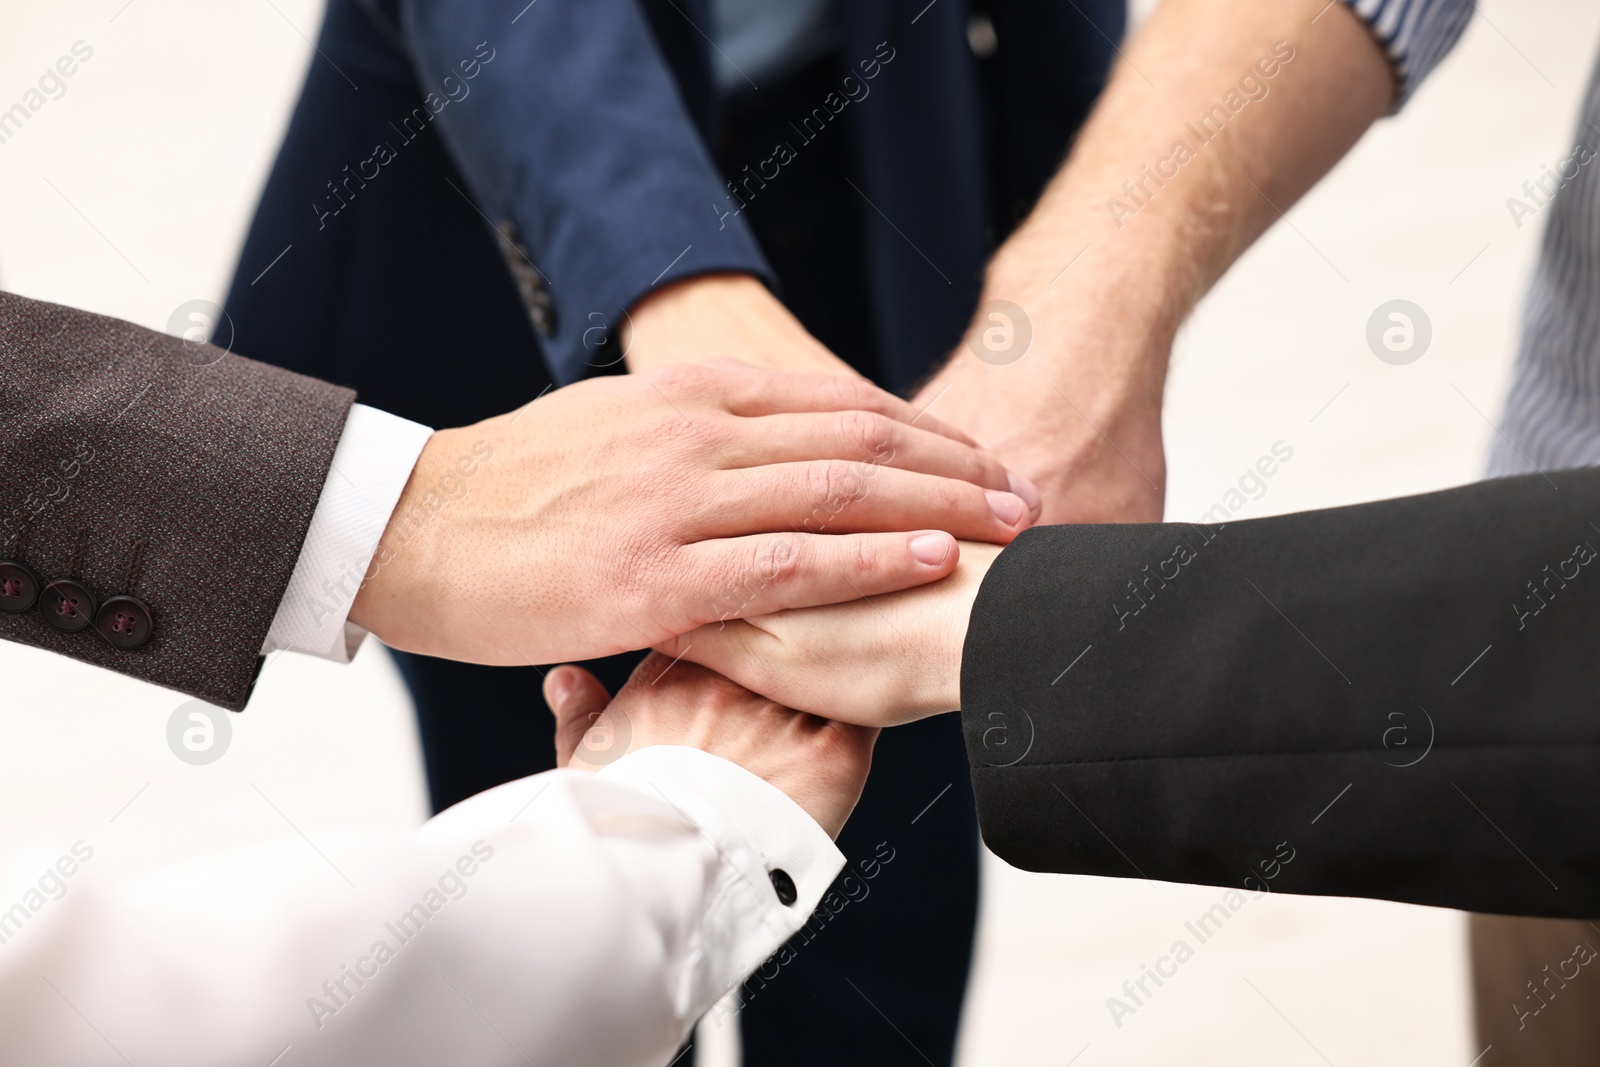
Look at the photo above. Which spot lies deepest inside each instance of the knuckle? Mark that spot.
(639, 565)
(716, 431)
(863, 433)
(662, 428)
(721, 693)
(681, 377)
(833, 745)
(830, 486)
(778, 564)
(821, 479)
(865, 561)
(857, 393)
(740, 583)
(719, 595)
(634, 564)
(775, 561)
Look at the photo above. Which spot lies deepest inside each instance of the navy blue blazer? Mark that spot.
(581, 130)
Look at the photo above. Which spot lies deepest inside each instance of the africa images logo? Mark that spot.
(199, 733)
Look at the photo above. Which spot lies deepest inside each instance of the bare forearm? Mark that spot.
(721, 316)
(1220, 116)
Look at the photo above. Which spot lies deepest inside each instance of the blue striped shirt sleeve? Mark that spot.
(1416, 34)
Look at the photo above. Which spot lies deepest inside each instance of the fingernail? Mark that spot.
(1006, 507)
(931, 548)
(1024, 488)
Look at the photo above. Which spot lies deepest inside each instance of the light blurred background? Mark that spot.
(129, 195)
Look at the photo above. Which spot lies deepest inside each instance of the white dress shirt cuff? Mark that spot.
(757, 830)
(370, 469)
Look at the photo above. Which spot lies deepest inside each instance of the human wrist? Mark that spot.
(373, 461)
(935, 684)
(1058, 318)
(1082, 424)
(936, 688)
(399, 577)
(728, 795)
(1085, 361)
(712, 316)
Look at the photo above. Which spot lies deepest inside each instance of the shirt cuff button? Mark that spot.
(783, 885)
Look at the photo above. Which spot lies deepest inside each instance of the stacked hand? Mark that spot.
(787, 527)
(619, 512)
(885, 658)
(821, 764)
(879, 662)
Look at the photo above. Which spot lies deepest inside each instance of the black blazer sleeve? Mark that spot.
(142, 465)
(1402, 696)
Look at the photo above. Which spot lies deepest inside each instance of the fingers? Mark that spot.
(678, 691)
(821, 764)
(803, 418)
(744, 654)
(752, 392)
(757, 575)
(862, 437)
(577, 699)
(832, 496)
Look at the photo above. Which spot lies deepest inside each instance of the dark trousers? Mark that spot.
(388, 296)
(1531, 992)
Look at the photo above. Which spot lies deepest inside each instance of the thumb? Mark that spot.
(576, 698)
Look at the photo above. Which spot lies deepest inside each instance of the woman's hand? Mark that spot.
(880, 661)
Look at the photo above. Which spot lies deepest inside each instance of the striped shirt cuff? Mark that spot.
(1415, 34)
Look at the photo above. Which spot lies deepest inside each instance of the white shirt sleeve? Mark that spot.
(371, 466)
(564, 919)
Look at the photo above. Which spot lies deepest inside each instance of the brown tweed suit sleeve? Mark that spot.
(112, 435)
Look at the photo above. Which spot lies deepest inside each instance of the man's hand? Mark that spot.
(1221, 114)
(822, 765)
(1088, 438)
(716, 318)
(885, 662)
(619, 512)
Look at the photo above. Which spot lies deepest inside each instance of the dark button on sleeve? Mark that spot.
(125, 622)
(19, 587)
(783, 885)
(530, 283)
(67, 605)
